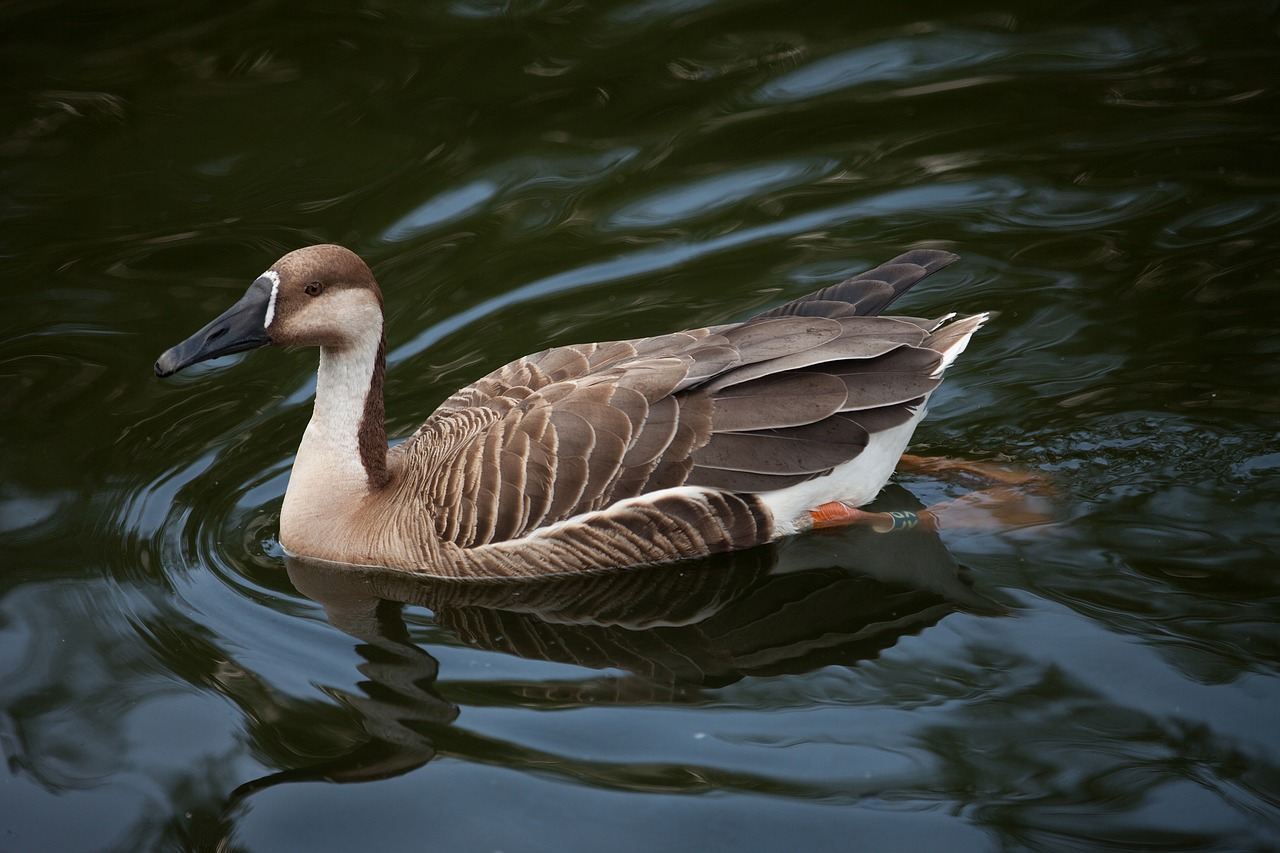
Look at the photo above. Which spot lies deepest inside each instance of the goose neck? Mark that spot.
(347, 428)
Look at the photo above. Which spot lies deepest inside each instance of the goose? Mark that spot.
(594, 456)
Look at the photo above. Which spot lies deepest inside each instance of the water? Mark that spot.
(521, 175)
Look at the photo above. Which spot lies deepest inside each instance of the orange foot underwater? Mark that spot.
(1012, 498)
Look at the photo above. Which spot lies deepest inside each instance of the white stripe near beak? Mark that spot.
(275, 291)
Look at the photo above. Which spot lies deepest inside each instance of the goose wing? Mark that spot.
(783, 397)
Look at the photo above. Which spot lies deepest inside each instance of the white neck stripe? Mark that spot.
(275, 291)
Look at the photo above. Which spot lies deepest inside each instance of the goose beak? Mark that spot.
(241, 327)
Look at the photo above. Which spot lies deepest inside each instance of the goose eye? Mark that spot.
(314, 288)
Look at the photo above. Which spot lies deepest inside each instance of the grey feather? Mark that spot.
(778, 400)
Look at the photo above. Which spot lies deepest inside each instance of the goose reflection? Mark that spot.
(657, 633)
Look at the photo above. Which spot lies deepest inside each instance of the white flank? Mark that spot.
(856, 482)
(275, 291)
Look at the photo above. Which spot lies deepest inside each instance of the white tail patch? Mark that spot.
(937, 324)
(275, 292)
(950, 340)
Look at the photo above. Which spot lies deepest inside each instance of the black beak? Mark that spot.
(241, 327)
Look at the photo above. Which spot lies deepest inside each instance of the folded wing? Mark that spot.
(783, 397)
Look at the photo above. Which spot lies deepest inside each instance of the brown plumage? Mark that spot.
(596, 455)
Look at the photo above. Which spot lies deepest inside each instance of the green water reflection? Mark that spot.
(522, 175)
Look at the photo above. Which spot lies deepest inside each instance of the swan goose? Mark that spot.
(585, 457)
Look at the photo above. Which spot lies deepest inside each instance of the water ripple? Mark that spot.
(916, 58)
(551, 176)
(709, 195)
(447, 206)
(1226, 220)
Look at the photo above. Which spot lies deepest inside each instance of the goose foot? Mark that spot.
(970, 471)
(840, 514)
(1012, 497)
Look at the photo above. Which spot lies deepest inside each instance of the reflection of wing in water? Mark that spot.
(672, 629)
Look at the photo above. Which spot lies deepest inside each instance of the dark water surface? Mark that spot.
(526, 174)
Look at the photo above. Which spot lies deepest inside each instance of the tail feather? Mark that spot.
(869, 293)
(951, 339)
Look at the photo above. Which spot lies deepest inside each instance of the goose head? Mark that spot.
(322, 296)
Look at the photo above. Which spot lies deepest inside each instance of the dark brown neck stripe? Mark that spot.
(373, 430)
